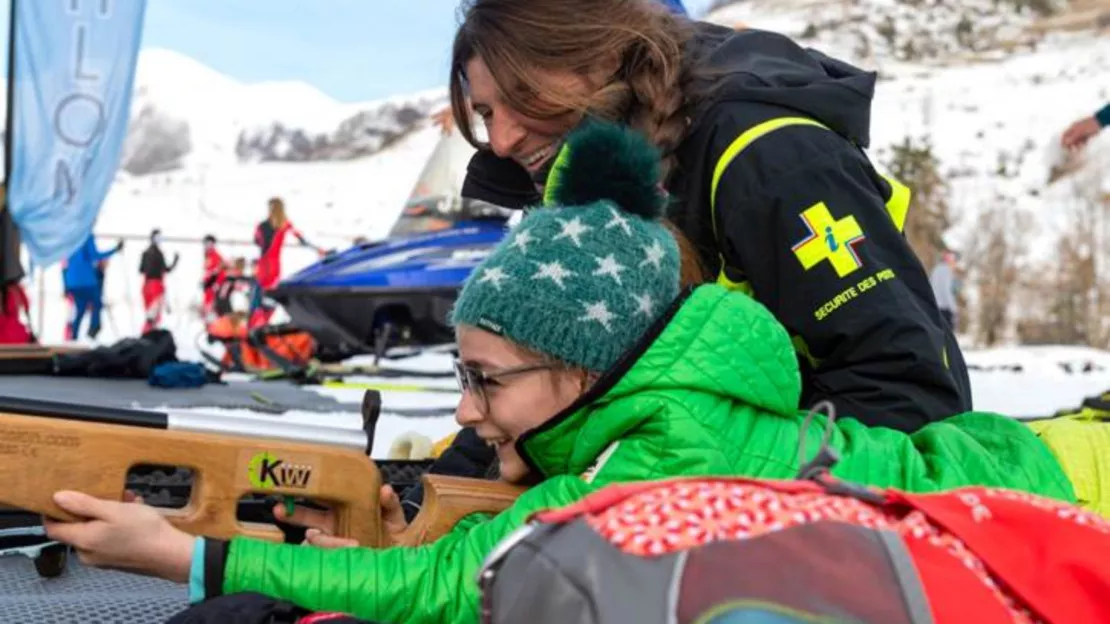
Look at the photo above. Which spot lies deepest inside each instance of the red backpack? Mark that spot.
(733, 550)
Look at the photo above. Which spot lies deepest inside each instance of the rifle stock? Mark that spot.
(447, 500)
(41, 455)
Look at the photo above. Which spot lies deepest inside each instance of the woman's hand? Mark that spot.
(321, 525)
(124, 535)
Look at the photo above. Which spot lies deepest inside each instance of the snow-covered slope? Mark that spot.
(187, 115)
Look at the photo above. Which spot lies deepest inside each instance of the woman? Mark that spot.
(583, 365)
(270, 238)
(761, 142)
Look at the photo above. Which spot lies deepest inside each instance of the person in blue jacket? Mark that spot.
(82, 284)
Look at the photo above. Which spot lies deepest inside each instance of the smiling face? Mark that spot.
(529, 141)
(513, 403)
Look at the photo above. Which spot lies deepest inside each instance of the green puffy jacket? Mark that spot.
(712, 392)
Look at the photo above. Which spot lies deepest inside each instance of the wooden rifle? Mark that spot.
(46, 447)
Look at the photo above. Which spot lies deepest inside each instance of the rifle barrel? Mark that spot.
(85, 413)
(219, 424)
(270, 427)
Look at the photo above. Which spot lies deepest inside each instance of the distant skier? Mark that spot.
(215, 271)
(83, 285)
(270, 238)
(153, 267)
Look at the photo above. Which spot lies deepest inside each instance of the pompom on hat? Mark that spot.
(584, 276)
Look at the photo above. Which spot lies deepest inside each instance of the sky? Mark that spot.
(353, 50)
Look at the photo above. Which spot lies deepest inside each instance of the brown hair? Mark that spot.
(277, 212)
(691, 270)
(642, 40)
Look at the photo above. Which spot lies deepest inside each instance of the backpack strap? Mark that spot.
(731, 277)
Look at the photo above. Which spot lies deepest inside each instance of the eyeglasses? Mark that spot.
(473, 380)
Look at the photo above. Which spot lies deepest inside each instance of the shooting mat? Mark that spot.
(85, 594)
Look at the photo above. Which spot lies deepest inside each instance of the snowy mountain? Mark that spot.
(185, 114)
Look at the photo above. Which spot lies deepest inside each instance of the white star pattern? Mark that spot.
(644, 304)
(618, 220)
(609, 266)
(598, 311)
(573, 230)
(554, 271)
(493, 275)
(654, 253)
(521, 240)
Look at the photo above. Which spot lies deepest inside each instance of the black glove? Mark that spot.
(119, 245)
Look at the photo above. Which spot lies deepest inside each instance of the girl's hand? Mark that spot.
(321, 525)
(125, 535)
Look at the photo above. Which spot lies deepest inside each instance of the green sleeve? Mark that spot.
(427, 584)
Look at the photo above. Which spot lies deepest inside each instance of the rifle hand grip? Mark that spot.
(447, 500)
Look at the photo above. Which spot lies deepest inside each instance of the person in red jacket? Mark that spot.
(270, 238)
(215, 272)
(15, 304)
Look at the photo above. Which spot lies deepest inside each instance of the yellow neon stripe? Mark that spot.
(555, 175)
(740, 144)
(899, 203)
(744, 286)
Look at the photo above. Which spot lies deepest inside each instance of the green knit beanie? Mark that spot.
(583, 277)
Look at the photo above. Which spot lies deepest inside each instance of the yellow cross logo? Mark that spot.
(829, 239)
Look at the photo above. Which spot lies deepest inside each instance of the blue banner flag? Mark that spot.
(74, 68)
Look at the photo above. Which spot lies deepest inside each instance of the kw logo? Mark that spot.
(829, 239)
(267, 471)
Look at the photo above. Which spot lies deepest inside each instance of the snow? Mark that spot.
(217, 106)
(1029, 382)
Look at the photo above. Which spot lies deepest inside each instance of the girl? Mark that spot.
(582, 364)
